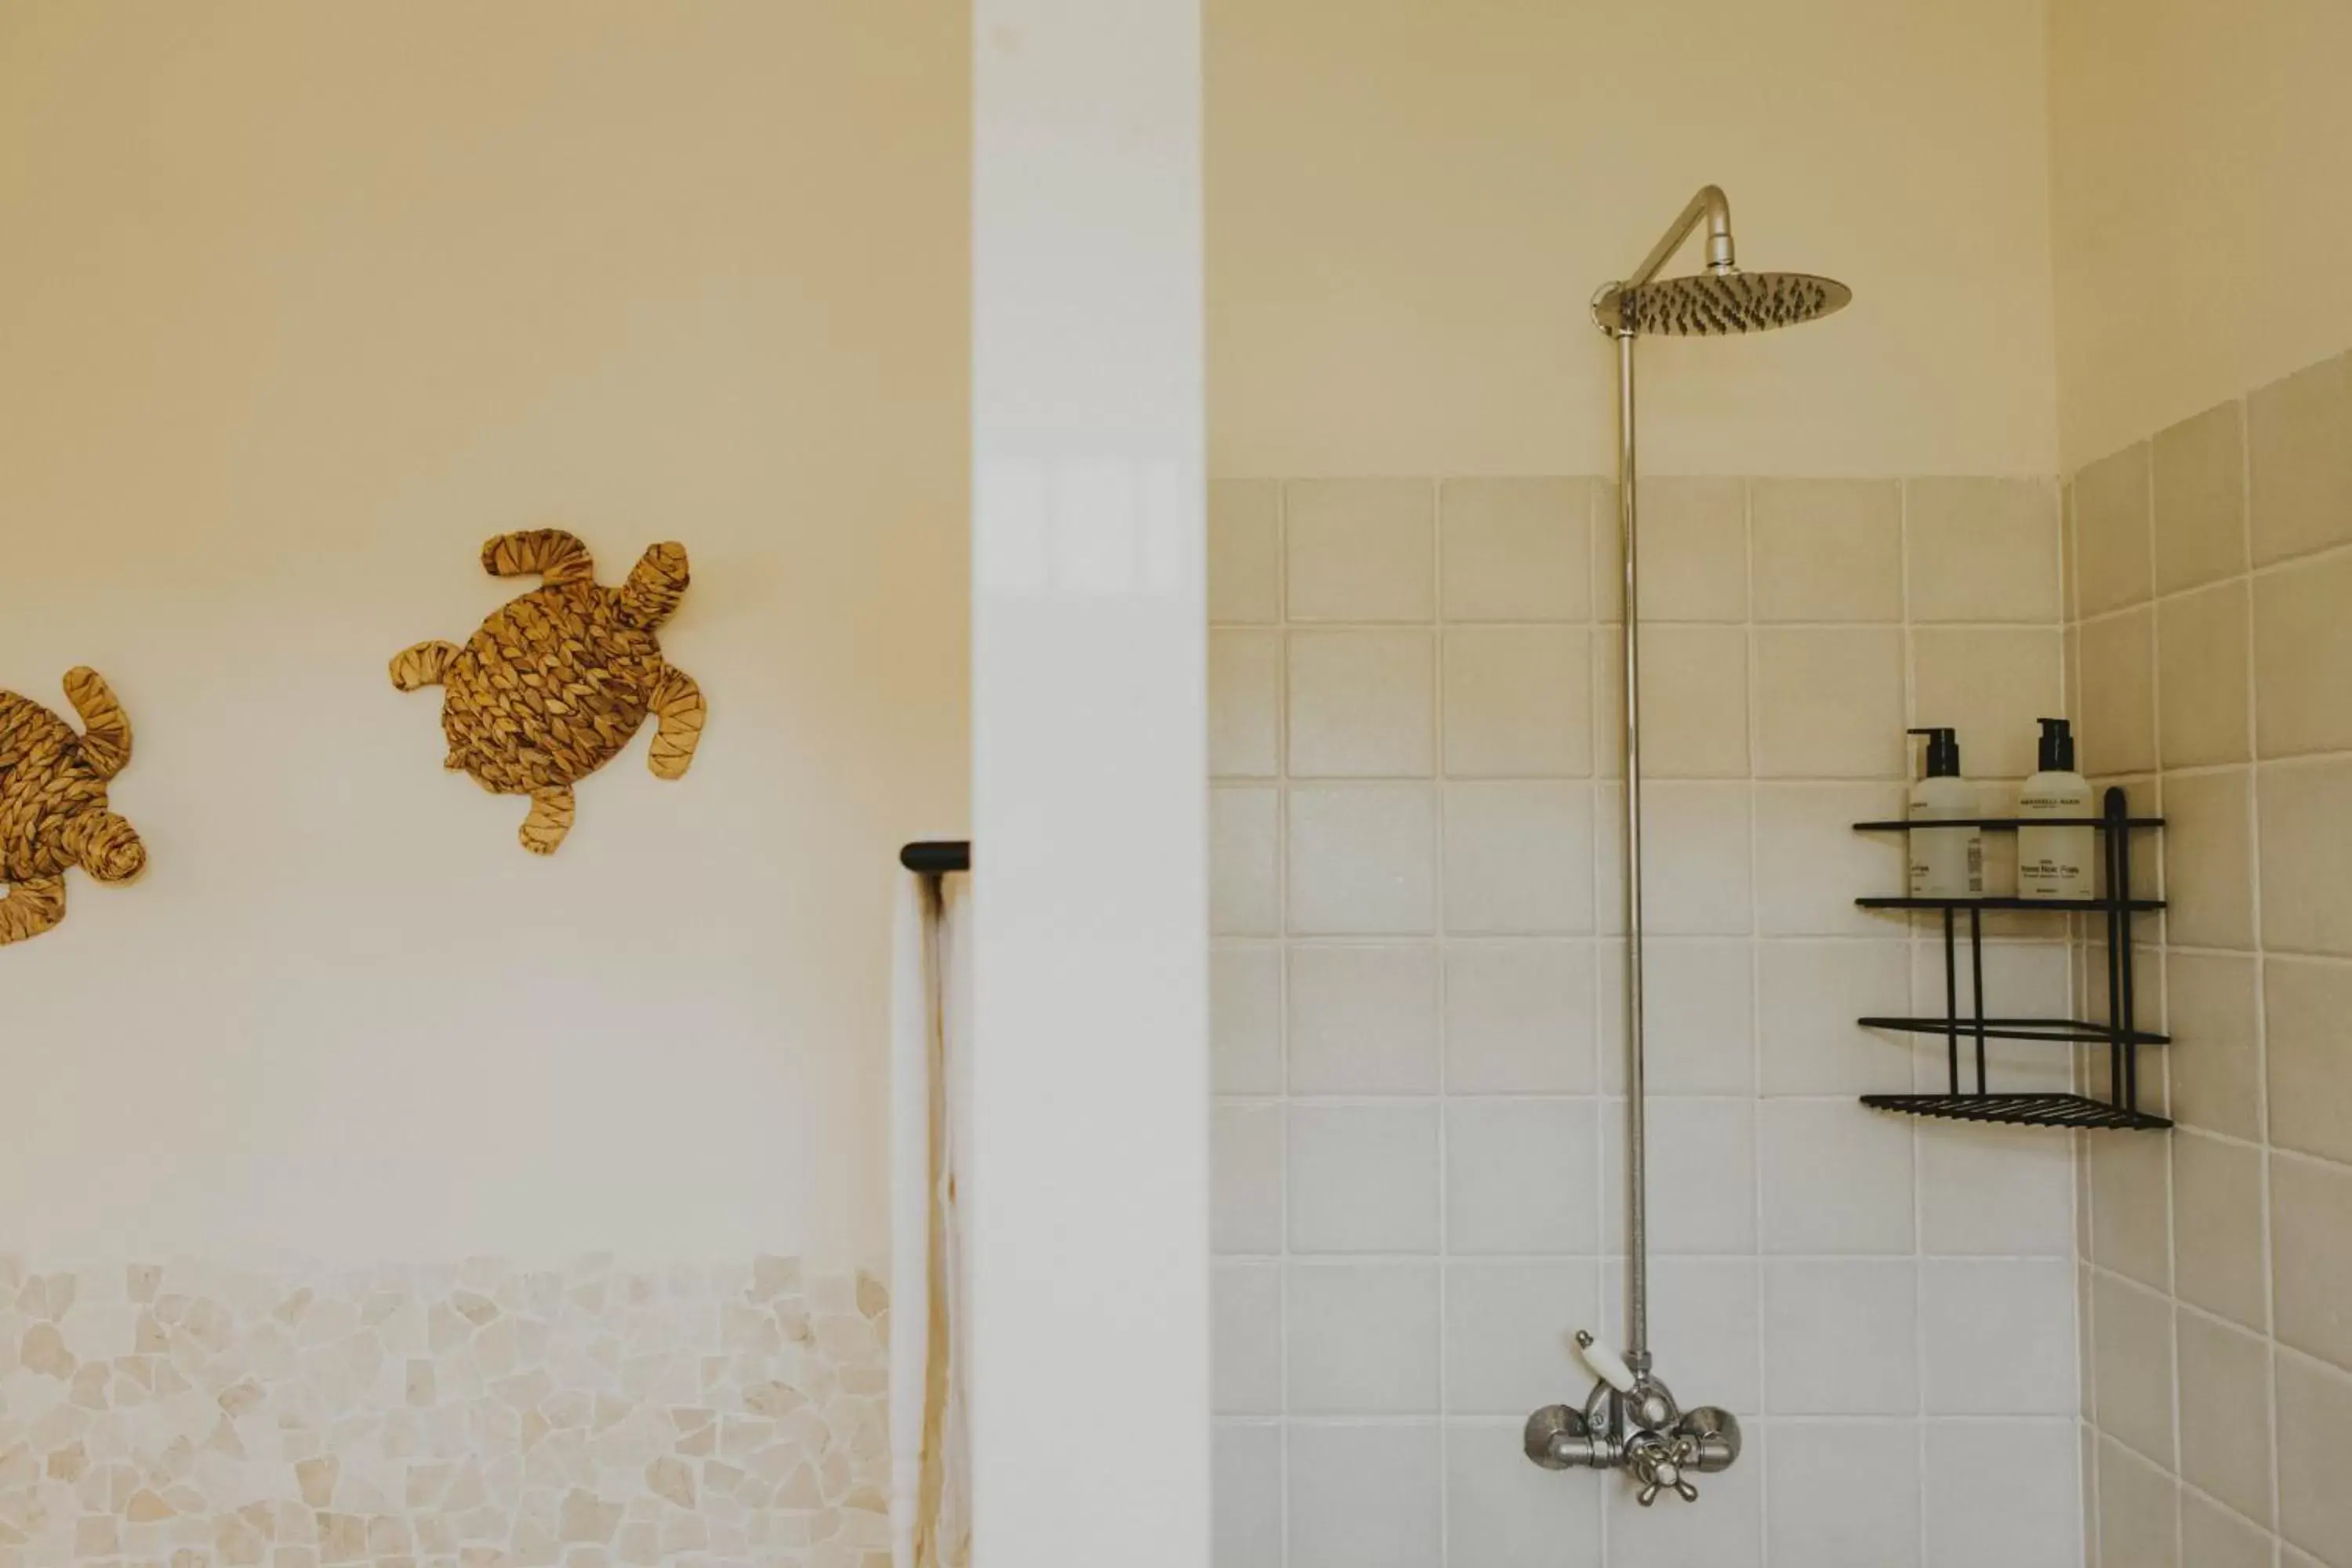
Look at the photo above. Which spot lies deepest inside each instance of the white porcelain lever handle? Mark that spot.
(1606, 1364)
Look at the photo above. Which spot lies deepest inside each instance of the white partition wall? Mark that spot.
(1089, 1197)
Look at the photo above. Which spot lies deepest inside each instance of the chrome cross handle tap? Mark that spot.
(1630, 1422)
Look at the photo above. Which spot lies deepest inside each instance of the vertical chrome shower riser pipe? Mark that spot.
(1637, 1197)
(1630, 1421)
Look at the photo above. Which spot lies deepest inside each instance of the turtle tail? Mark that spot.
(654, 587)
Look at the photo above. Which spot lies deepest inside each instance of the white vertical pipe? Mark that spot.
(1088, 1195)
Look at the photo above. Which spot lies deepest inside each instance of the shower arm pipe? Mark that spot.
(1713, 206)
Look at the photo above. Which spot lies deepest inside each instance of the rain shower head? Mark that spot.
(1718, 304)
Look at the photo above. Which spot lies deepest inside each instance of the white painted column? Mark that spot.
(1089, 1188)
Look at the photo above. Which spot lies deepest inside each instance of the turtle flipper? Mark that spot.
(106, 738)
(679, 714)
(555, 555)
(654, 587)
(422, 665)
(32, 908)
(549, 819)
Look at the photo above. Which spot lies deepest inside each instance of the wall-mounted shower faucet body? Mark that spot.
(1630, 1421)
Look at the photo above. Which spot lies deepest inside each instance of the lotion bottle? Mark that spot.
(2054, 862)
(1946, 862)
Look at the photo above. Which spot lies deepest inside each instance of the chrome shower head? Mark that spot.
(1718, 304)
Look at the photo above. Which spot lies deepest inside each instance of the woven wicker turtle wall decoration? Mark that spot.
(53, 813)
(557, 680)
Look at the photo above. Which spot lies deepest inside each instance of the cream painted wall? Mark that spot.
(1409, 206)
(2200, 151)
(299, 304)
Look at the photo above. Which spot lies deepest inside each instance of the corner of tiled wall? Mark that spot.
(2215, 636)
(1418, 1046)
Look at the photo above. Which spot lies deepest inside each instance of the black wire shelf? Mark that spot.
(1972, 1028)
(2007, 824)
(2075, 1111)
(2055, 906)
(2055, 1031)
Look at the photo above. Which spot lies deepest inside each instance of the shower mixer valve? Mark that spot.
(1630, 1422)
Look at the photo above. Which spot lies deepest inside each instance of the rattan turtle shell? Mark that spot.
(53, 807)
(557, 682)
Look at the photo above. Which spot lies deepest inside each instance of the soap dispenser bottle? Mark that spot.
(2054, 862)
(1946, 862)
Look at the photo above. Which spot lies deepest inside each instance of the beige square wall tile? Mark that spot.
(1519, 858)
(2225, 1413)
(2131, 1214)
(1694, 866)
(1828, 549)
(2118, 727)
(1700, 1028)
(2311, 1215)
(1519, 1017)
(1829, 703)
(2213, 1062)
(1810, 863)
(1245, 863)
(1364, 1018)
(2217, 1222)
(2208, 854)
(1362, 704)
(1694, 552)
(1519, 701)
(1245, 1178)
(1807, 996)
(2307, 1020)
(2213, 1537)
(2303, 657)
(2299, 445)
(1362, 859)
(1360, 549)
(2315, 1431)
(1245, 551)
(2201, 677)
(2307, 857)
(1516, 550)
(1991, 684)
(2112, 531)
(1694, 702)
(2200, 495)
(2137, 1504)
(1362, 1178)
(1245, 1018)
(1245, 704)
(2132, 1343)
(1982, 549)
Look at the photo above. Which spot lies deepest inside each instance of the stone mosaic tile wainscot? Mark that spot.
(480, 1416)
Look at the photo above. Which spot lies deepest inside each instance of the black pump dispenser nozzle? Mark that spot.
(1943, 751)
(2057, 746)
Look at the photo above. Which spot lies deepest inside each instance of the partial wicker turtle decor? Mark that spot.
(53, 810)
(555, 683)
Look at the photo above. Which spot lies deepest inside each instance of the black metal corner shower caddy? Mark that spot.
(2120, 1035)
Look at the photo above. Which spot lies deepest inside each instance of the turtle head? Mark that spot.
(654, 587)
(106, 847)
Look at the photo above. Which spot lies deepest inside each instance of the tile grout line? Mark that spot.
(2275, 1524)
(1915, 1133)
(1755, 1024)
(1282, 888)
(1442, 1108)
